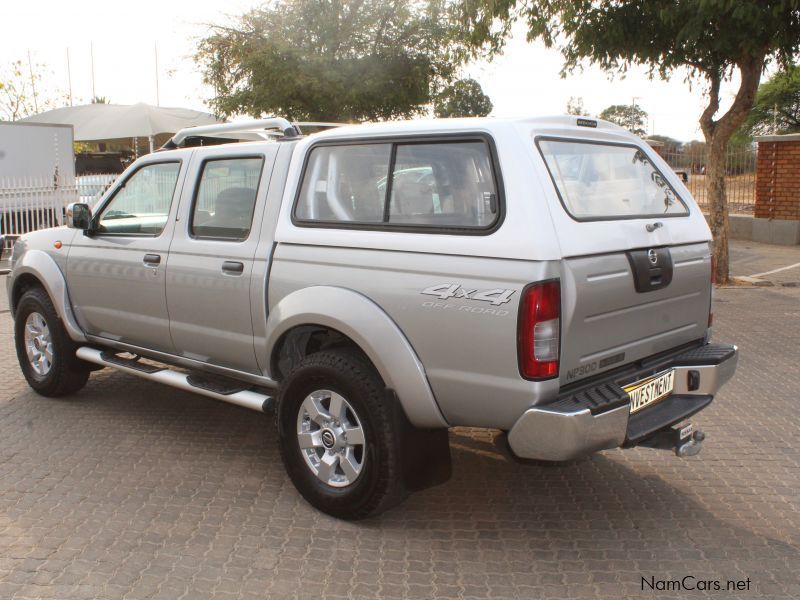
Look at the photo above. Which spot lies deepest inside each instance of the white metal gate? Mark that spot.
(28, 204)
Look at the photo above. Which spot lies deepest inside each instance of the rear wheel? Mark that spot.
(336, 436)
(45, 352)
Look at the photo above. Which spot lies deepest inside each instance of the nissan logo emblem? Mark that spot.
(653, 256)
(328, 439)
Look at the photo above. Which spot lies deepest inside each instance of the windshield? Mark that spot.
(600, 181)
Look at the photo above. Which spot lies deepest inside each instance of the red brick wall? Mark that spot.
(778, 179)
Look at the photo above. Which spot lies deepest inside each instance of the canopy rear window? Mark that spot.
(598, 181)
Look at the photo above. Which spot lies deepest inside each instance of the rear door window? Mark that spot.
(598, 180)
(226, 198)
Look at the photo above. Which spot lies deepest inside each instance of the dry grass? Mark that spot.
(741, 191)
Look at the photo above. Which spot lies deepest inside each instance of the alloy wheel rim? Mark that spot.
(331, 438)
(38, 344)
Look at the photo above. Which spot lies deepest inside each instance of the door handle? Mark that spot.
(152, 260)
(651, 227)
(232, 267)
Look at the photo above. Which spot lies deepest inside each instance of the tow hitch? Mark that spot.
(681, 438)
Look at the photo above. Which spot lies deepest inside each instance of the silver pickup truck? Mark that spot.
(375, 285)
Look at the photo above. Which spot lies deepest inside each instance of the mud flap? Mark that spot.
(424, 453)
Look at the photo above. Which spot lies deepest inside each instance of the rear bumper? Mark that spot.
(598, 417)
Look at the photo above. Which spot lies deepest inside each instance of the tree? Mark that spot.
(777, 104)
(629, 116)
(709, 40)
(22, 92)
(332, 60)
(671, 145)
(464, 98)
(575, 106)
(17, 92)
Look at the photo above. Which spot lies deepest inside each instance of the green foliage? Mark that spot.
(575, 107)
(703, 35)
(629, 116)
(777, 105)
(464, 98)
(332, 60)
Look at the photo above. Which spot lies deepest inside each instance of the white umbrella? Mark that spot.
(94, 122)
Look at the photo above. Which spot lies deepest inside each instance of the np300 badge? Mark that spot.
(445, 291)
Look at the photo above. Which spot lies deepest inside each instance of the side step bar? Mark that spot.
(242, 397)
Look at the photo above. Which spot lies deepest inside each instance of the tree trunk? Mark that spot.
(718, 204)
(717, 134)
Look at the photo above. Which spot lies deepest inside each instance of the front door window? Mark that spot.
(141, 205)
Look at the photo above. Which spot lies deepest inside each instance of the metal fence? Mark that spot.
(28, 204)
(740, 176)
(91, 187)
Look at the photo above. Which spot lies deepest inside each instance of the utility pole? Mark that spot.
(69, 78)
(158, 100)
(91, 54)
(33, 83)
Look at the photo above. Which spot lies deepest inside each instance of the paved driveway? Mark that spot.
(132, 490)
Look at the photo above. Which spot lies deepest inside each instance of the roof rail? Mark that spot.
(286, 128)
(320, 124)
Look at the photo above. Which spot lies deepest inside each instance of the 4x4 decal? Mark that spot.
(445, 291)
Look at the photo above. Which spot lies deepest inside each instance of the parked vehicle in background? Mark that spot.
(36, 151)
(37, 176)
(378, 284)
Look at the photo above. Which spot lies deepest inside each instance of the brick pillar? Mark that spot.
(778, 177)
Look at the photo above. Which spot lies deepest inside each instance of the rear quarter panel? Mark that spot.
(468, 347)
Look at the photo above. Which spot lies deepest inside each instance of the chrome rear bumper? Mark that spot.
(580, 424)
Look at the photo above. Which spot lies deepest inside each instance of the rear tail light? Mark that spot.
(538, 330)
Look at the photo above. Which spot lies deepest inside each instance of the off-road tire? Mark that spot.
(67, 373)
(379, 485)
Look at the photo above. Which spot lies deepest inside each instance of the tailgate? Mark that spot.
(636, 266)
(608, 322)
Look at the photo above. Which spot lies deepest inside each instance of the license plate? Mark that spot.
(646, 392)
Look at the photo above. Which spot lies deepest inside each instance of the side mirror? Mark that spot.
(79, 216)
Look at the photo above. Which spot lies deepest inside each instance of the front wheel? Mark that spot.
(45, 352)
(336, 436)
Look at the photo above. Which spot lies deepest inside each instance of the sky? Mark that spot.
(123, 36)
